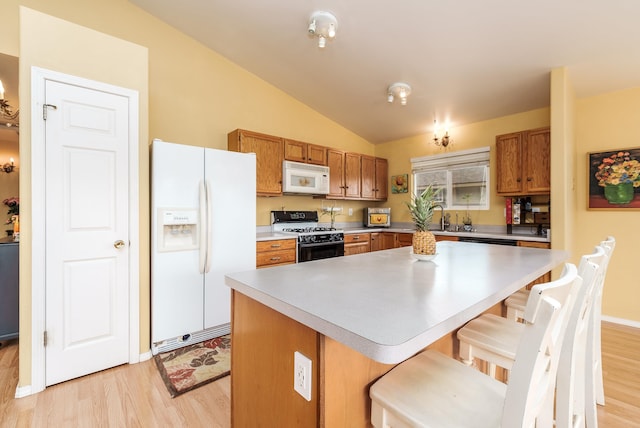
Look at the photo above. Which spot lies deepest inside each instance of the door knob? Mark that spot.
(119, 243)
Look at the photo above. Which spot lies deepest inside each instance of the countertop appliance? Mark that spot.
(203, 227)
(302, 178)
(314, 242)
(377, 217)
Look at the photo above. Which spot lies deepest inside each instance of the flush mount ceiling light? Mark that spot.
(398, 90)
(323, 25)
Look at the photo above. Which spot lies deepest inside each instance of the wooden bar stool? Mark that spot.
(432, 390)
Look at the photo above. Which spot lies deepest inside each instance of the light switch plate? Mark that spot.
(302, 375)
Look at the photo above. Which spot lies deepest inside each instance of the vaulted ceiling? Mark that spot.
(465, 60)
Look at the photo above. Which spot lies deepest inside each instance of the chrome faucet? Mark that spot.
(441, 216)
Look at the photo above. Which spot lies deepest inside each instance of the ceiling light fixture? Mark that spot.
(398, 90)
(445, 140)
(323, 25)
(6, 111)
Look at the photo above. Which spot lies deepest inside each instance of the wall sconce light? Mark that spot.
(323, 25)
(8, 167)
(441, 142)
(398, 90)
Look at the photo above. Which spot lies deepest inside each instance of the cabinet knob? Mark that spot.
(355, 238)
(275, 245)
(275, 259)
(529, 178)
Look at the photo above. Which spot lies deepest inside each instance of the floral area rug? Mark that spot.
(195, 365)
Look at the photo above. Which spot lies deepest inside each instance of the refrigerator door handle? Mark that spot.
(202, 195)
(207, 266)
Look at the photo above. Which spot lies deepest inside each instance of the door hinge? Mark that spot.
(45, 338)
(44, 109)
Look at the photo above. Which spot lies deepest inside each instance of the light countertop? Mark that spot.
(387, 305)
(270, 236)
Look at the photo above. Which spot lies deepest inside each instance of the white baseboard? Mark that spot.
(145, 356)
(622, 321)
(23, 391)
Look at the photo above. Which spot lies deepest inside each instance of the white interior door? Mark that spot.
(87, 231)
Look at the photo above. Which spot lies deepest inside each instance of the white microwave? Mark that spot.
(302, 178)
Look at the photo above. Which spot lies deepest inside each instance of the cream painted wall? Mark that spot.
(602, 123)
(194, 96)
(479, 134)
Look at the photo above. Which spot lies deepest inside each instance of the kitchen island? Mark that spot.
(355, 318)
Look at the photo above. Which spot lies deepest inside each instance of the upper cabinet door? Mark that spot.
(269, 152)
(295, 151)
(352, 175)
(509, 163)
(335, 161)
(537, 158)
(523, 163)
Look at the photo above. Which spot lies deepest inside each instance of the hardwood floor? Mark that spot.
(134, 395)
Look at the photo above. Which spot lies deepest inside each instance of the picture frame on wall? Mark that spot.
(400, 183)
(614, 180)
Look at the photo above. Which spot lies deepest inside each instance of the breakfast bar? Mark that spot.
(356, 317)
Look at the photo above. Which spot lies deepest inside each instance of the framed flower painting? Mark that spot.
(614, 180)
(400, 183)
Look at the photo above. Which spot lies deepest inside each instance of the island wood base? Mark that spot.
(263, 342)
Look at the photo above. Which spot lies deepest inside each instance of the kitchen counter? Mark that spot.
(480, 234)
(269, 236)
(272, 236)
(354, 318)
(388, 306)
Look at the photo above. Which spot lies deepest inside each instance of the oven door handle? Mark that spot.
(319, 244)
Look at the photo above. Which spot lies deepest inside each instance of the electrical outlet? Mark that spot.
(302, 375)
(350, 211)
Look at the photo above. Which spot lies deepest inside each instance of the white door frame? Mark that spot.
(38, 283)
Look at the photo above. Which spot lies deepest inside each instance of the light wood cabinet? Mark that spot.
(524, 162)
(335, 162)
(389, 240)
(299, 151)
(352, 175)
(404, 239)
(376, 241)
(357, 243)
(275, 253)
(381, 180)
(269, 157)
(344, 176)
(373, 177)
(445, 238)
(534, 244)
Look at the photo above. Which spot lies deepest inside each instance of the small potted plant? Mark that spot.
(421, 208)
(466, 218)
(333, 212)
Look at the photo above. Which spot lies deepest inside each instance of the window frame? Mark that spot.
(448, 163)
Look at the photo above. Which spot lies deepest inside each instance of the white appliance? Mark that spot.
(203, 227)
(303, 178)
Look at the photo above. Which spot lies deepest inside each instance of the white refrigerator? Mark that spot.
(203, 205)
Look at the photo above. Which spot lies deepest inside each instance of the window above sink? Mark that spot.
(463, 177)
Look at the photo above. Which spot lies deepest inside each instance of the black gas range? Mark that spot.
(314, 242)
